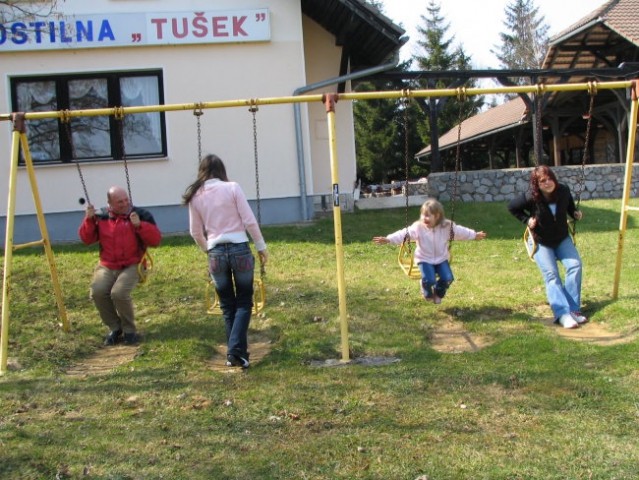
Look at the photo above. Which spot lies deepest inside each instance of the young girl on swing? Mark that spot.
(432, 235)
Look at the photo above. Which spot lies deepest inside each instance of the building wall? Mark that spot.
(291, 59)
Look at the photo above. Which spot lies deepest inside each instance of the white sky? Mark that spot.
(476, 24)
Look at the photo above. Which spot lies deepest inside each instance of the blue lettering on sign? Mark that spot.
(105, 31)
(20, 33)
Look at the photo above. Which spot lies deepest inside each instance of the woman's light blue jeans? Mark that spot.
(563, 297)
(231, 267)
(436, 278)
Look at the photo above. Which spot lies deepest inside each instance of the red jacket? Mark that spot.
(121, 244)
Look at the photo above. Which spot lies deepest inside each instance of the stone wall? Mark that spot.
(599, 181)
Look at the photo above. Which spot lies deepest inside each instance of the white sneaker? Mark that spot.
(579, 318)
(567, 321)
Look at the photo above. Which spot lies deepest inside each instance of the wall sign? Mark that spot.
(135, 29)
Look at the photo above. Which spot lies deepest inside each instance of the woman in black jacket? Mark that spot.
(544, 209)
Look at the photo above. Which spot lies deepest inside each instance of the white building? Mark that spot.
(108, 53)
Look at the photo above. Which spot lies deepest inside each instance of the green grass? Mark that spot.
(532, 405)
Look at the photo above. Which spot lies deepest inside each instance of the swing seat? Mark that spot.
(531, 245)
(406, 260)
(259, 298)
(145, 267)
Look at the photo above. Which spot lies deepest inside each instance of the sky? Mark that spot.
(476, 24)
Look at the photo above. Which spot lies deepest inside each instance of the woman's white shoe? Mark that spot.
(567, 321)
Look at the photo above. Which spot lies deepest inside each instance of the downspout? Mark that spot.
(298, 118)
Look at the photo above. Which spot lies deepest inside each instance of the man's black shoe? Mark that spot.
(132, 338)
(113, 338)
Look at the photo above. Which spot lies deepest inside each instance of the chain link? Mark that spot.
(119, 117)
(198, 114)
(254, 109)
(66, 122)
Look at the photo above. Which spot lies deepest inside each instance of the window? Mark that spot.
(92, 138)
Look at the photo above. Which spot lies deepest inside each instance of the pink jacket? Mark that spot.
(431, 243)
(220, 213)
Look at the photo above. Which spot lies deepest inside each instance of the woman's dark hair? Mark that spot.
(211, 166)
(540, 172)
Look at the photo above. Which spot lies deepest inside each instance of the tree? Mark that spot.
(380, 136)
(525, 41)
(14, 10)
(440, 54)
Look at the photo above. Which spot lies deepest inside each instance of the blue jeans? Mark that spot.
(436, 278)
(563, 297)
(231, 269)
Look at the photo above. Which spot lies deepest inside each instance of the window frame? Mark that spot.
(114, 98)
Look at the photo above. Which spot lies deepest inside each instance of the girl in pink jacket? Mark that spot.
(432, 235)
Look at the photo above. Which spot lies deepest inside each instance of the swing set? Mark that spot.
(405, 256)
(145, 265)
(259, 289)
(528, 238)
(19, 141)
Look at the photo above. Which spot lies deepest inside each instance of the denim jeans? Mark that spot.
(231, 269)
(436, 278)
(563, 297)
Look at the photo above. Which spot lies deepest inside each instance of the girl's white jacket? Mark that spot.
(431, 243)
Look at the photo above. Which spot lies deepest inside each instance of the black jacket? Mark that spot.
(551, 229)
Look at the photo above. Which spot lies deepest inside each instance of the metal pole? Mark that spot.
(8, 252)
(627, 183)
(45, 233)
(329, 101)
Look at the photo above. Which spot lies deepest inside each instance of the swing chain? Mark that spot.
(198, 112)
(119, 117)
(592, 88)
(254, 109)
(406, 104)
(538, 131)
(65, 119)
(461, 97)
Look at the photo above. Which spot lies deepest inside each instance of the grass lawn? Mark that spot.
(529, 403)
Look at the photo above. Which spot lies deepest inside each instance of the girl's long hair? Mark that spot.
(535, 175)
(211, 166)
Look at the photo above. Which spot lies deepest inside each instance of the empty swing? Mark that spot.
(528, 238)
(145, 265)
(259, 290)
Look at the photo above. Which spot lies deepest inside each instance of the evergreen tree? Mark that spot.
(380, 134)
(380, 138)
(439, 53)
(525, 42)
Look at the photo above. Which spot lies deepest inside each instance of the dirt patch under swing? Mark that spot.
(259, 348)
(452, 337)
(104, 360)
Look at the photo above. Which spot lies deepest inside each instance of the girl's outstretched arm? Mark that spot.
(381, 240)
(480, 235)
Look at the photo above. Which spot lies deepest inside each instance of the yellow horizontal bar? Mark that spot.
(632, 208)
(406, 93)
(37, 243)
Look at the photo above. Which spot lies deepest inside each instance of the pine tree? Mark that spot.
(439, 53)
(525, 41)
(380, 138)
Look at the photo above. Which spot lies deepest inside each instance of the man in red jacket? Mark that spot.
(123, 232)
